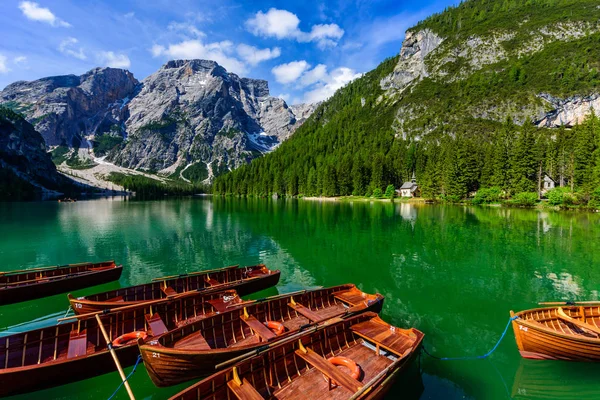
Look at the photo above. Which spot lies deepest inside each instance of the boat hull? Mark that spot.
(287, 370)
(243, 288)
(167, 367)
(44, 376)
(538, 342)
(44, 289)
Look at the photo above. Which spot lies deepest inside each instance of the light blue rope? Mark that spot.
(486, 355)
(126, 378)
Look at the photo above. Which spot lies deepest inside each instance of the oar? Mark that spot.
(567, 303)
(49, 268)
(561, 314)
(142, 304)
(279, 296)
(115, 358)
(195, 273)
(49, 278)
(33, 269)
(315, 327)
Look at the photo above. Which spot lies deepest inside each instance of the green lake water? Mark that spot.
(453, 272)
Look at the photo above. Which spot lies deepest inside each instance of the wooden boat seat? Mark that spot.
(259, 328)
(211, 282)
(218, 304)
(397, 341)
(245, 391)
(352, 296)
(77, 344)
(305, 311)
(330, 370)
(156, 324)
(168, 291)
(195, 341)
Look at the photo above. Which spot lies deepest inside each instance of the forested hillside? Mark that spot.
(491, 93)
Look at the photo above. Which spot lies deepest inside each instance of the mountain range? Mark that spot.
(189, 119)
(489, 93)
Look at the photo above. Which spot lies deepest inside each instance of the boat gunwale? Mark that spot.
(209, 289)
(390, 370)
(533, 324)
(58, 278)
(154, 344)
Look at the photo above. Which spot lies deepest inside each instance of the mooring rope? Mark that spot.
(68, 311)
(126, 378)
(486, 355)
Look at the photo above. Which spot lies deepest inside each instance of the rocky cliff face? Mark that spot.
(23, 154)
(65, 109)
(196, 112)
(188, 113)
(411, 65)
(444, 61)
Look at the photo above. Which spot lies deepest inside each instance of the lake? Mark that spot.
(453, 272)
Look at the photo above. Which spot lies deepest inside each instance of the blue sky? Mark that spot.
(305, 49)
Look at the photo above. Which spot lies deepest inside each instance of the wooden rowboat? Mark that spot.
(29, 284)
(244, 280)
(69, 352)
(193, 350)
(559, 333)
(302, 368)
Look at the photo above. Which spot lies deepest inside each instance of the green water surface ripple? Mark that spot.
(453, 272)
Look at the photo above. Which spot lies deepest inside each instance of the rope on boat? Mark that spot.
(486, 355)
(126, 378)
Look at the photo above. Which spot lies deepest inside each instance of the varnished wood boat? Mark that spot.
(193, 350)
(559, 333)
(29, 284)
(69, 352)
(302, 368)
(244, 280)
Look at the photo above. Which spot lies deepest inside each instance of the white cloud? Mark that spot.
(290, 72)
(190, 49)
(274, 23)
(129, 15)
(317, 74)
(253, 55)
(34, 12)
(19, 60)
(283, 24)
(321, 84)
(114, 60)
(337, 79)
(67, 47)
(189, 29)
(3, 67)
(326, 35)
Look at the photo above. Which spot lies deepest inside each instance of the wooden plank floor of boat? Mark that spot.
(313, 385)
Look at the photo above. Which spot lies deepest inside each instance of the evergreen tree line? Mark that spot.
(448, 165)
(148, 188)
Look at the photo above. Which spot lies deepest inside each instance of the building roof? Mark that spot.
(408, 185)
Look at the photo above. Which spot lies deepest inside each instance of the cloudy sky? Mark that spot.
(305, 49)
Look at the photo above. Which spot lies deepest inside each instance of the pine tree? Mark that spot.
(585, 146)
(524, 163)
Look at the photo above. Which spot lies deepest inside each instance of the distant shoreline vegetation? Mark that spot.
(148, 188)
